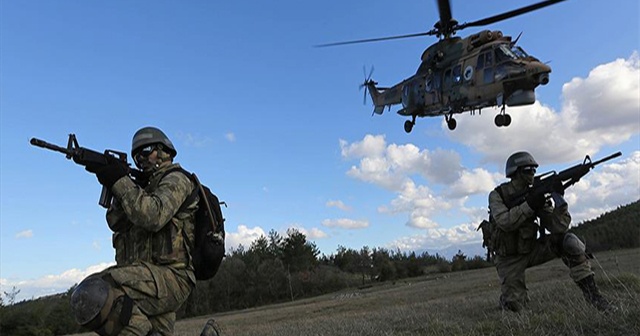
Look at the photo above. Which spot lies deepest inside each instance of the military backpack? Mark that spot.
(207, 249)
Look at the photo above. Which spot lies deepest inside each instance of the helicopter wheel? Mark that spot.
(451, 123)
(408, 126)
(506, 120)
(499, 120)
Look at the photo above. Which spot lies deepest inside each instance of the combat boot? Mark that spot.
(211, 329)
(592, 293)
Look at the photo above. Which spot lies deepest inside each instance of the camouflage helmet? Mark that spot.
(519, 159)
(149, 136)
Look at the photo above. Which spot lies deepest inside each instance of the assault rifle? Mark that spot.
(556, 183)
(84, 156)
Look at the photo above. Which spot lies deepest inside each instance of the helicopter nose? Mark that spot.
(539, 73)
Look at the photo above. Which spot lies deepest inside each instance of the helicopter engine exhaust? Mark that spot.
(543, 78)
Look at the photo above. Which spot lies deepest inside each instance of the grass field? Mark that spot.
(459, 303)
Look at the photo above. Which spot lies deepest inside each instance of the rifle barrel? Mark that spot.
(41, 143)
(614, 155)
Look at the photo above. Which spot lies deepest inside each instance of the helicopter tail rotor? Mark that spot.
(367, 81)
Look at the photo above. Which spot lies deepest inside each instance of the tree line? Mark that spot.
(280, 268)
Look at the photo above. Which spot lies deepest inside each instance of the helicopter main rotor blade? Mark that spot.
(508, 15)
(444, 8)
(431, 32)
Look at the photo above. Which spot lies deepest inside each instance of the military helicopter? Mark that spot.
(457, 75)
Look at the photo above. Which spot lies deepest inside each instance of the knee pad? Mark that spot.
(91, 302)
(100, 307)
(572, 245)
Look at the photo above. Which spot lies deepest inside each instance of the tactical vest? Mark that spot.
(165, 247)
(519, 241)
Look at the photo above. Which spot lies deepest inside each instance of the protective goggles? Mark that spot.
(530, 170)
(144, 153)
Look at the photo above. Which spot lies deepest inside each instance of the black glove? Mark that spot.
(536, 200)
(558, 187)
(108, 174)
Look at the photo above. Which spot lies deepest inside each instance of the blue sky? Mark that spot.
(277, 127)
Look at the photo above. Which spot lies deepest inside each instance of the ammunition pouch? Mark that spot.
(520, 241)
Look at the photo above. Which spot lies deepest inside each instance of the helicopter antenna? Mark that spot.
(516, 40)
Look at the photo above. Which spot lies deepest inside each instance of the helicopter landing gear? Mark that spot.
(451, 123)
(503, 119)
(408, 125)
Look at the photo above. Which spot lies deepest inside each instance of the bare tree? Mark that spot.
(11, 296)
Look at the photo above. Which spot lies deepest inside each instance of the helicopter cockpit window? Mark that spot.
(457, 74)
(519, 52)
(503, 53)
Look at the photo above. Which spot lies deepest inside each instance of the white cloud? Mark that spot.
(606, 98)
(476, 181)
(50, 284)
(439, 238)
(194, 140)
(338, 204)
(420, 202)
(599, 110)
(371, 146)
(24, 234)
(230, 136)
(390, 166)
(244, 236)
(346, 223)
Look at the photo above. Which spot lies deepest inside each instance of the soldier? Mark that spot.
(517, 246)
(154, 273)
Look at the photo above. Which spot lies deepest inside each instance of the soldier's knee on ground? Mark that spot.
(100, 307)
(574, 250)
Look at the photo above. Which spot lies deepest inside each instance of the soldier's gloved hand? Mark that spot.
(108, 174)
(558, 188)
(536, 200)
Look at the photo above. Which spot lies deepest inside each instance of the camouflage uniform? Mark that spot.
(151, 240)
(518, 247)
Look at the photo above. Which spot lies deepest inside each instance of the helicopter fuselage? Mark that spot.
(458, 75)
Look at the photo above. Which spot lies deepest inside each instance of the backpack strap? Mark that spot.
(500, 192)
(193, 179)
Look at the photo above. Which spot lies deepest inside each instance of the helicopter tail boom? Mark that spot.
(384, 96)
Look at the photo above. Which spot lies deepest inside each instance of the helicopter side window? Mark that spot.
(457, 75)
(436, 80)
(485, 60)
(447, 78)
(488, 60)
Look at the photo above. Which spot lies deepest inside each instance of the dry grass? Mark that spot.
(460, 303)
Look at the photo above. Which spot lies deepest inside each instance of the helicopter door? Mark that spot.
(432, 89)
